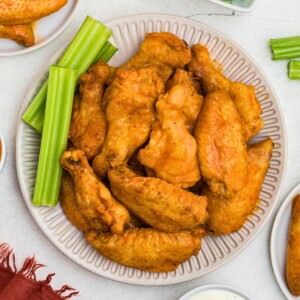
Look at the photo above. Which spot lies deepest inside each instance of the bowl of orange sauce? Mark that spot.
(2, 150)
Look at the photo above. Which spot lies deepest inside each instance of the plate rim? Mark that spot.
(280, 213)
(50, 38)
(253, 235)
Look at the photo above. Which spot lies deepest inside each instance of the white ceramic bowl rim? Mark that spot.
(214, 287)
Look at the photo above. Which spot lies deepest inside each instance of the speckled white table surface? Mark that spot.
(251, 271)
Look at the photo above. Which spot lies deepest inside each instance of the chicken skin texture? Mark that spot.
(241, 94)
(156, 202)
(22, 34)
(164, 51)
(130, 114)
(15, 12)
(229, 215)
(89, 126)
(171, 153)
(146, 248)
(67, 198)
(293, 250)
(221, 148)
(93, 198)
(183, 95)
(187, 78)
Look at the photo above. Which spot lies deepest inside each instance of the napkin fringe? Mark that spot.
(28, 270)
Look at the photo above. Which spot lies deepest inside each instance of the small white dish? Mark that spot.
(279, 240)
(2, 150)
(45, 30)
(215, 287)
(244, 6)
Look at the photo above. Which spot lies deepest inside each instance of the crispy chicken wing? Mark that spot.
(67, 198)
(88, 126)
(229, 215)
(14, 12)
(242, 95)
(221, 150)
(93, 198)
(146, 249)
(164, 51)
(22, 34)
(172, 151)
(158, 203)
(293, 250)
(130, 114)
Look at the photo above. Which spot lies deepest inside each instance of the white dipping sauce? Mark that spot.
(216, 295)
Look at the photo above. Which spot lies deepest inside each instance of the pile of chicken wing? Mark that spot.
(17, 17)
(159, 155)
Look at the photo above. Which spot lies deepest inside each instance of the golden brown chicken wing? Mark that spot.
(93, 198)
(164, 51)
(158, 203)
(221, 150)
(130, 114)
(22, 34)
(171, 153)
(229, 215)
(146, 249)
(88, 126)
(293, 250)
(242, 95)
(67, 198)
(14, 12)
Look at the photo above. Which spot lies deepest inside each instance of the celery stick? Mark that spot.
(284, 48)
(79, 55)
(58, 111)
(294, 69)
(283, 42)
(291, 51)
(106, 52)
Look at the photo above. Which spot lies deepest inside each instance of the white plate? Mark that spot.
(245, 6)
(45, 30)
(279, 240)
(128, 33)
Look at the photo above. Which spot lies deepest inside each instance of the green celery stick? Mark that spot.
(106, 52)
(284, 48)
(60, 94)
(284, 42)
(79, 55)
(294, 69)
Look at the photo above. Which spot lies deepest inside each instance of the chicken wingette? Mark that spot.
(129, 103)
(146, 248)
(221, 148)
(171, 153)
(22, 34)
(15, 12)
(229, 215)
(242, 95)
(164, 51)
(94, 200)
(156, 202)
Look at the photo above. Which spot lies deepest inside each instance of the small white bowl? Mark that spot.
(236, 7)
(3, 147)
(220, 287)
